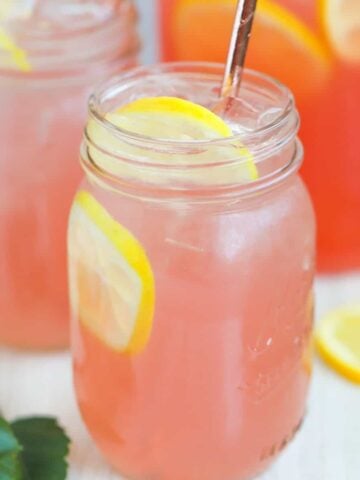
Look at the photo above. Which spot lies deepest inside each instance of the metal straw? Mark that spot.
(238, 47)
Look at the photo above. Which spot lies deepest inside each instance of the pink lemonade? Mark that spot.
(219, 386)
(41, 121)
(35, 200)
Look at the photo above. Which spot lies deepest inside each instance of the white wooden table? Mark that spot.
(327, 448)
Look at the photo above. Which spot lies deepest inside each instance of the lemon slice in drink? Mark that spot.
(111, 281)
(170, 118)
(341, 20)
(175, 119)
(14, 56)
(338, 341)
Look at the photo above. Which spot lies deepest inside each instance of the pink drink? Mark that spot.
(220, 388)
(40, 132)
(41, 121)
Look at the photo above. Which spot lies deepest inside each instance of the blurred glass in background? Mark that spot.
(313, 46)
(52, 53)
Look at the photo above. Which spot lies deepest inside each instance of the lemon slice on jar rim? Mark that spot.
(112, 285)
(179, 120)
(338, 341)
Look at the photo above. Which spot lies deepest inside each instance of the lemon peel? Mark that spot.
(112, 285)
(338, 341)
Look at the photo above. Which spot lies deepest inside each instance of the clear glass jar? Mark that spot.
(210, 381)
(71, 46)
(322, 37)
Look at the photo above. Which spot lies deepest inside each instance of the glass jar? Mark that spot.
(209, 380)
(70, 46)
(322, 39)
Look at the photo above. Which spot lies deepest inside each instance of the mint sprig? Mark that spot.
(33, 448)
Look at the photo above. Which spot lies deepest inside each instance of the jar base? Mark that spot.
(267, 462)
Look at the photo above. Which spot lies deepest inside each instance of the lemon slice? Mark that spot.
(111, 281)
(171, 118)
(279, 33)
(338, 341)
(341, 20)
(15, 56)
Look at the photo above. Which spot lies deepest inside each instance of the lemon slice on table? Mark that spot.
(111, 281)
(341, 21)
(338, 341)
(176, 119)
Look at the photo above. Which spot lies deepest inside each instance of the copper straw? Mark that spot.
(238, 47)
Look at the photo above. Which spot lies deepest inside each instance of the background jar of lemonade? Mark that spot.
(51, 54)
(313, 46)
(191, 272)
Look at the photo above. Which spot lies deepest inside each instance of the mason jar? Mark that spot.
(69, 47)
(323, 36)
(192, 290)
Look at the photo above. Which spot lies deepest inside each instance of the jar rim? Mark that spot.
(105, 88)
(273, 147)
(74, 49)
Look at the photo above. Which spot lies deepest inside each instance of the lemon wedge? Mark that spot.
(341, 20)
(112, 288)
(338, 341)
(175, 119)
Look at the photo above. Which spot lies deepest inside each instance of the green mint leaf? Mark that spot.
(45, 447)
(11, 467)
